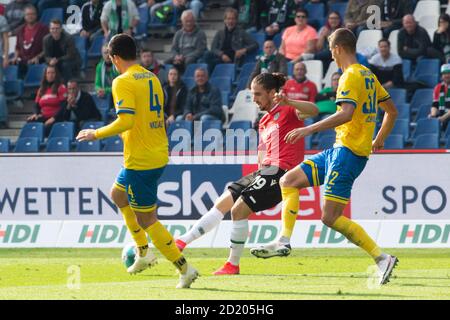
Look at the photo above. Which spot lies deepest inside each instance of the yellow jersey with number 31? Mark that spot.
(138, 92)
(361, 88)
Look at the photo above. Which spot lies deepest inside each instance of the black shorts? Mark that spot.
(260, 190)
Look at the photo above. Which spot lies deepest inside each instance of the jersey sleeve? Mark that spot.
(124, 97)
(383, 95)
(348, 89)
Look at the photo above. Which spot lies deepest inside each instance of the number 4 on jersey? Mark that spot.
(154, 100)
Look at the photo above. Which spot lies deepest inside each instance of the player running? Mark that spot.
(358, 96)
(259, 190)
(138, 98)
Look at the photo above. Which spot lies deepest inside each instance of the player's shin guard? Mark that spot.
(357, 235)
(163, 241)
(291, 205)
(137, 233)
(239, 235)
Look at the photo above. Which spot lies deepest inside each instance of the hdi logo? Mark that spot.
(19, 233)
(324, 235)
(102, 234)
(425, 233)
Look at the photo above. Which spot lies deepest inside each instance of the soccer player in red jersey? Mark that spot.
(259, 190)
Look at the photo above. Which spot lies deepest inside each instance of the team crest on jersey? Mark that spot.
(119, 103)
(345, 93)
(276, 116)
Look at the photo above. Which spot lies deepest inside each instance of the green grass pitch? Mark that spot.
(305, 274)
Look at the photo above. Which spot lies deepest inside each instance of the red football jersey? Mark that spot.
(273, 128)
(305, 90)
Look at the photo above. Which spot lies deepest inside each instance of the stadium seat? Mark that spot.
(368, 39)
(95, 50)
(4, 145)
(241, 85)
(328, 132)
(393, 39)
(244, 108)
(113, 144)
(424, 111)
(315, 72)
(427, 8)
(394, 141)
(88, 146)
(243, 124)
(33, 130)
(11, 73)
(13, 89)
(59, 144)
(240, 138)
(406, 68)
(326, 142)
(62, 129)
(308, 143)
(246, 71)
(398, 95)
(142, 27)
(210, 134)
(427, 126)
(52, 13)
(34, 75)
(190, 69)
(447, 143)
(180, 135)
(429, 22)
(226, 70)
(81, 44)
(189, 82)
(92, 125)
(447, 132)
(221, 83)
(30, 144)
(420, 97)
(403, 111)
(277, 39)
(427, 71)
(426, 141)
(401, 127)
(316, 14)
(331, 69)
(259, 37)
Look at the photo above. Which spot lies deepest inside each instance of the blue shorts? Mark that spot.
(141, 187)
(337, 168)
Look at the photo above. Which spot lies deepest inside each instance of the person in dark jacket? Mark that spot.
(413, 40)
(175, 94)
(441, 38)
(204, 101)
(392, 13)
(79, 107)
(91, 12)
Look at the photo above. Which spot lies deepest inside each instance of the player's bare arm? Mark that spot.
(343, 116)
(388, 124)
(305, 109)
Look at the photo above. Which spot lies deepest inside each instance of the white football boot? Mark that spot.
(187, 278)
(385, 267)
(274, 249)
(142, 263)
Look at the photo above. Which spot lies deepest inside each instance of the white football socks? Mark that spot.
(239, 235)
(205, 224)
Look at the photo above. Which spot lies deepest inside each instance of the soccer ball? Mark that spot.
(129, 254)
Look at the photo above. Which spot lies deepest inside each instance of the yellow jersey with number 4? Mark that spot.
(361, 88)
(138, 92)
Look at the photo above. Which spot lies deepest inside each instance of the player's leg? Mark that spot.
(239, 234)
(209, 221)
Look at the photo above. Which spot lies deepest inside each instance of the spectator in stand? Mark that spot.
(204, 102)
(299, 87)
(15, 13)
(189, 43)
(149, 62)
(387, 66)
(441, 38)
(298, 39)
(392, 12)
(161, 10)
(4, 49)
(357, 15)
(326, 99)
(105, 73)
(322, 50)
(175, 95)
(413, 40)
(440, 108)
(30, 39)
(90, 19)
(79, 107)
(250, 13)
(60, 51)
(279, 15)
(231, 44)
(49, 98)
(271, 61)
(119, 16)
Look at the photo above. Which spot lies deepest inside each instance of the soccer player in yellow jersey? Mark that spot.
(358, 96)
(138, 98)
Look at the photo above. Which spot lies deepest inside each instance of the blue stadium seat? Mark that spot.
(62, 129)
(88, 146)
(246, 71)
(180, 134)
(34, 75)
(398, 95)
(30, 144)
(326, 142)
(427, 71)
(52, 13)
(290, 68)
(33, 130)
(426, 126)
(189, 82)
(394, 141)
(277, 39)
(447, 143)
(59, 144)
(113, 144)
(420, 97)
(426, 141)
(339, 7)
(11, 73)
(403, 111)
(81, 44)
(221, 83)
(316, 14)
(225, 70)
(92, 125)
(423, 112)
(13, 89)
(308, 142)
(190, 69)
(252, 55)
(259, 37)
(4, 145)
(142, 27)
(241, 85)
(209, 127)
(447, 132)
(95, 50)
(401, 127)
(183, 124)
(406, 67)
(242, 124)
